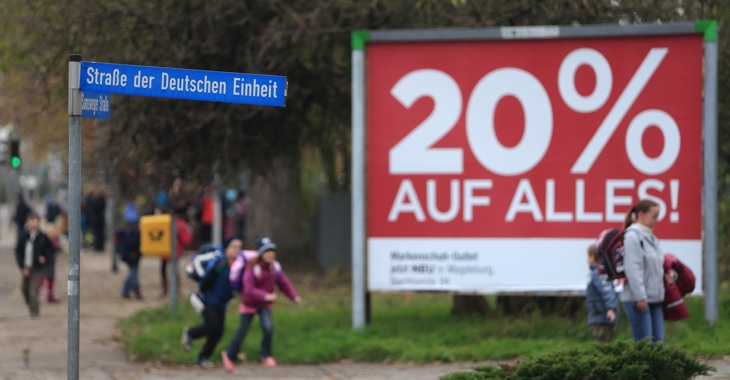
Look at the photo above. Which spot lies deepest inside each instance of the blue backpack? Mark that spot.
(198, 265)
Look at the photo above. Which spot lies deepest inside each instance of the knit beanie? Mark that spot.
(227, 241)
(264, 244)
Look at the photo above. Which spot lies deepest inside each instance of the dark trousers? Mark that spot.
(602, 333)
(267, 329)
(49, 270)
(131, 283)
(31, 288)
(98, 230)
(212, 327)
(163, 276)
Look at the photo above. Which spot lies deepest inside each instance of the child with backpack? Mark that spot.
(215, 288)
(260, 277)
(601, 301)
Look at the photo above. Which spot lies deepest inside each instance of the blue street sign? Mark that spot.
(161, 82)
(95, 105)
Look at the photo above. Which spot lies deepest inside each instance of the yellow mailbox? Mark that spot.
(156, 235)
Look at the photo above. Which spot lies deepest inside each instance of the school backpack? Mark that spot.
(610, 246)
(239, 267)
(197, 266)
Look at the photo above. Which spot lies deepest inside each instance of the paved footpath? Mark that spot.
(36, 348)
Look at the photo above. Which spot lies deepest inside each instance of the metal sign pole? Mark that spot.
(74, 212)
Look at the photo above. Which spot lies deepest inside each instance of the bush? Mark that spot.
(619, 361)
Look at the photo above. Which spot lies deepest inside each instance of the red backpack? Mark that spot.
(610, 246)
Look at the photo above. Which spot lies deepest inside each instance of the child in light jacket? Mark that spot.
(260, 278)
(601, 300)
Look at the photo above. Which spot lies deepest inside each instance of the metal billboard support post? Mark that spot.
(709, 131)
(359, 301)
(74, 212)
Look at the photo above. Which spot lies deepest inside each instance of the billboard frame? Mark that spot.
(361, 38)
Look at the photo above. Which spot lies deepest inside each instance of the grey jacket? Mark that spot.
(643, 265)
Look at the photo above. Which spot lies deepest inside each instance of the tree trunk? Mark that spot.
(275, 209)
(469, 305)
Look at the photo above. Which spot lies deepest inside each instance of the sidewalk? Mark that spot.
(36, 348)
(39, 346)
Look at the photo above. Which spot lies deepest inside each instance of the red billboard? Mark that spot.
(491, 164)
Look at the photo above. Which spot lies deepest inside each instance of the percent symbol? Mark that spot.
(645, 119)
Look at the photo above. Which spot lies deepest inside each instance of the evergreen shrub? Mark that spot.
(616, 361)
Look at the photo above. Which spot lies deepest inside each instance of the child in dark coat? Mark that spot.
(128, 242)
(216, 291)
(602, 301)
(32, 252)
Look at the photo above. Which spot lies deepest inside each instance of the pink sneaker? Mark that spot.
(227, 363)
(268, 362)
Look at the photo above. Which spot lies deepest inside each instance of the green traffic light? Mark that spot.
(15, 162)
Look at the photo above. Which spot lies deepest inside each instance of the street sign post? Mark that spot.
(97, 81)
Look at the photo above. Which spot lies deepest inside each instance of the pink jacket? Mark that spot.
(259, 282)
(684, 283)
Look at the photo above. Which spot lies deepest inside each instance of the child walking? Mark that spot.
(32, 252)
(128, 242)
(602, 301)
(216, 291)
(260, 276)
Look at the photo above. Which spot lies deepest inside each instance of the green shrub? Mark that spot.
(616, 361)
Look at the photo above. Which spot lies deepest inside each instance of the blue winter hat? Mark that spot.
(130, 213)
(264, 244)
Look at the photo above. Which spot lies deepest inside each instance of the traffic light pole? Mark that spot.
(74, 213)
